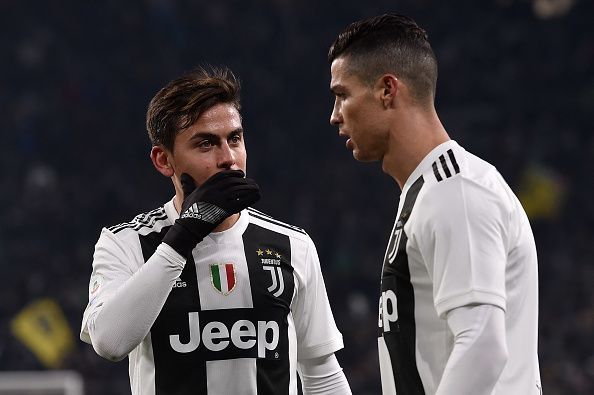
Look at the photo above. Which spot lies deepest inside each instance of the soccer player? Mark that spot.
(459, 300)
(204, 294)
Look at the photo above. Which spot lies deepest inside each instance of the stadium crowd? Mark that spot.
(516, 87)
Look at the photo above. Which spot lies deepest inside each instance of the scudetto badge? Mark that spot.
(222, 277)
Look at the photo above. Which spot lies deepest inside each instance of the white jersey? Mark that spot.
(249, 303)
(461, 237)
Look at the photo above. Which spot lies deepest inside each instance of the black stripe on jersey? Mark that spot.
(264, 217)
(141, 220)
(400, 338)
(444, 166)
(271, 302)
(436, 172)
(176, 373)
(453, 160)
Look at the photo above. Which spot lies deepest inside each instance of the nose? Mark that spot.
(335, 117)
(226, 157)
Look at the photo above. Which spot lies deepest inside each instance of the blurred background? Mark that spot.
(516, 88)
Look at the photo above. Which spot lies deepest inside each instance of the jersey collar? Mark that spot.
(237, 228)
(428, 160)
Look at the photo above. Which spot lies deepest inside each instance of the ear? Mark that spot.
(388, 87)
(161, 158)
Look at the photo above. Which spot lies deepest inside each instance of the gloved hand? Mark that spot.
(204, 208)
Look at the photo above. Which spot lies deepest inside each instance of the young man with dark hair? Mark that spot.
(204, 294)
(459, 290)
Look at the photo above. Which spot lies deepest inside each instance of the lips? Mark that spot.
(349, 144)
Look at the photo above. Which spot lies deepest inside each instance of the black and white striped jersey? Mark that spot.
(249, 303)
(461, 237)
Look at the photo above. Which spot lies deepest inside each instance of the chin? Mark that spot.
(364, 157)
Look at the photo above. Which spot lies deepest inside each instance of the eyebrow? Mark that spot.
(209, 135)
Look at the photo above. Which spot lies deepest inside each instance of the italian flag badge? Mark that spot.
(222, 276)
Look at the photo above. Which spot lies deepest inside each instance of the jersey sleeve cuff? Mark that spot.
(172, 256)
(470, 297)
(84, 334)
(319, 350)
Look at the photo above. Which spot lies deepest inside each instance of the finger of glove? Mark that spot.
(222, 175)
(243, 199)
(229, 185)
(238, 190)
(241, 185)
(188, 184)
(249, 199)
(212, 190)
(226, 185)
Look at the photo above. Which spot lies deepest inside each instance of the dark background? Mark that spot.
(516, 88)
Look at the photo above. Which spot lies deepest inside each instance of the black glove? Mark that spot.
(204, 208)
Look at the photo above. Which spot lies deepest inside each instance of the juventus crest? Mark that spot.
(271, 262)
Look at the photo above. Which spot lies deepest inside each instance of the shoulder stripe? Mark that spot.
(278, 223)
(141, 220)
(444, 166)
(253, 210)
(267, 218)
(443, 163)
(136, 225)
(453, 160)
(274, 220)
(436, 172)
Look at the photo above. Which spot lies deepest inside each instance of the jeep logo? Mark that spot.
(388, 310)
(216, 336)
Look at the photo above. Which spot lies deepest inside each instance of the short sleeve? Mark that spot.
(461, 230)
(317, 334)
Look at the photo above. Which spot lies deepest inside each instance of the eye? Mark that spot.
(235, 139)
(204, 144)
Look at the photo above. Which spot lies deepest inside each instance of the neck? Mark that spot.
(226, 224)
(411, 139)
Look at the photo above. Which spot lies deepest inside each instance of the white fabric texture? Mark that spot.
(323, 375)
(126, 295)
(468, 241)
(119, 323)
(479, 353)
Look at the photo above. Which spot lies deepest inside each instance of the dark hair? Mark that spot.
(179, 104)
(389, 43)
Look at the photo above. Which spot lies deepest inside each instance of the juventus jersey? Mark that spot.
(248, 304)
(461, 237)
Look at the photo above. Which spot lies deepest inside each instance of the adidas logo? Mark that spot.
(206, 212)
(179, 284)
(192, 212)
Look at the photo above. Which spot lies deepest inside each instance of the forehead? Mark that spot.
(220, 117)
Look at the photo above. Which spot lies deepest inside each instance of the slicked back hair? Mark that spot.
(389, 43)
(181, 102)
